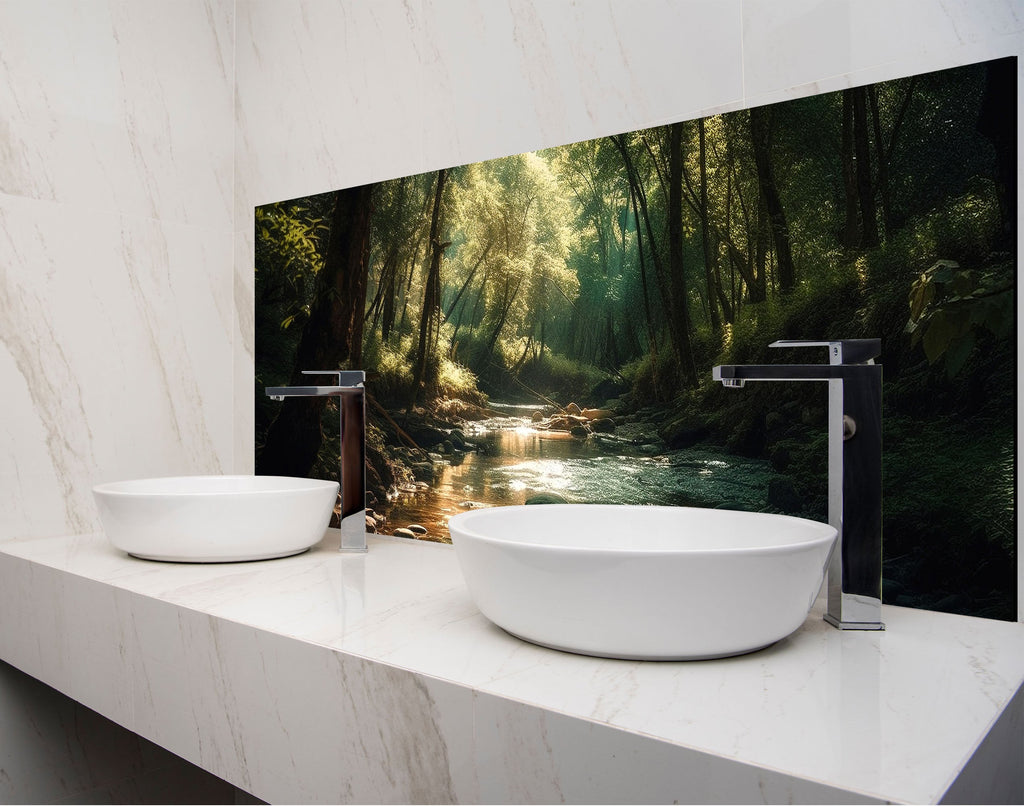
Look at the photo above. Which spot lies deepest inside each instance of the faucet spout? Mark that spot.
(728, 374)
(854, 468)
(349, 389)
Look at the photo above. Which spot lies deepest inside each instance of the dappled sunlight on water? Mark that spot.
(517, 461)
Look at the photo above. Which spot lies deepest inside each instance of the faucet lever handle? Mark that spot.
(841, 351)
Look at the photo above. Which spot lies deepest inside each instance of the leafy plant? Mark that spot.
(950, 305)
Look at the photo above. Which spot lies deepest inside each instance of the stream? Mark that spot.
(515, 461)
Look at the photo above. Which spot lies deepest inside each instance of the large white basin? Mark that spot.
(209, 519)
(642, 582)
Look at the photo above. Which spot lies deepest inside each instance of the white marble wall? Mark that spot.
(116, 304)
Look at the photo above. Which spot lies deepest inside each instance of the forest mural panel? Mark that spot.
(542, 327)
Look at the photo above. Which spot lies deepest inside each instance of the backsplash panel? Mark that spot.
(485, 299)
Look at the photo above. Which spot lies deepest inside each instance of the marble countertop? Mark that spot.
(219, 662)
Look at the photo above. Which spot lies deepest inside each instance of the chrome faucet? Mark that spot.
(854, 600)
(352, 470)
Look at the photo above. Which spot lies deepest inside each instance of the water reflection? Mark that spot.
(516, 461)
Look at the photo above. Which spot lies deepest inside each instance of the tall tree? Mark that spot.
(431, 297)
(761, 139)
(869, 237)
(332, 337)
(849, 236)
(676, 310)
(996, 122)
(677, 276)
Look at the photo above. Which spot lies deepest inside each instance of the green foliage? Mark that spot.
(949, 305)
(967, 488)
(456, 381)
(288, 258)
(653, 378)
(560, 378)
(969, 290)
(391, 366)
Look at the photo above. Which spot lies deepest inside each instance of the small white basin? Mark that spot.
(210, 519)
(642, 582)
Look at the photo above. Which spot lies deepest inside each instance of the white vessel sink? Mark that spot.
(642, 582)
(209, 519)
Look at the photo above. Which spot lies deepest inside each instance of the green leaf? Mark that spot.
(921, 295)
(936, 337)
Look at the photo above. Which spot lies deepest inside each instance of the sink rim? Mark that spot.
(282, 484)
(825, 533)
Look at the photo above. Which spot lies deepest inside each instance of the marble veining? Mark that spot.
(807, 47)
(382, 662)
(102, 109)
(117, 312)
(123, 369)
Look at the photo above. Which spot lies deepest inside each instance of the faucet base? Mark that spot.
(853, 625)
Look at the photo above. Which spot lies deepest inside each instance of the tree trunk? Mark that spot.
(675, 315)
(431, 297)
(652, 339)
(465, 285)
(507, 300)
(709, 259)
(676, 275)
(850, 234)
(331, 339)
(999, 125)
(862, 152)
(882, 157)
(760, 135)
(758, 292)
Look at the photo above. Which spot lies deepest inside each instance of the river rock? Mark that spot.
(416, 529)
(536, 417)
(423, 471)
(603, 425)
(573, 409)
(428, 437)
(371, 524)
(597, 414)
(545, 498)
(580, 431)
(683, 433)
(564, 422)
(608, 388)
(457, 439)
(434, 538)
(403, 532)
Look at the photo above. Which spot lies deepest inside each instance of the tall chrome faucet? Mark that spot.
(350, 391)
(854, 587)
